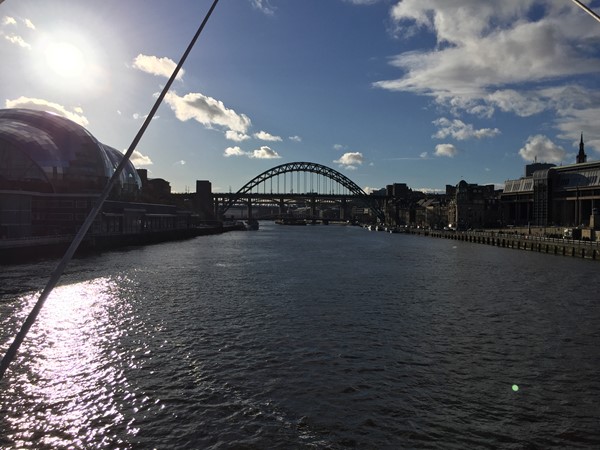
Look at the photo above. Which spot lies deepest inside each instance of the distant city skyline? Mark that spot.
(421, 92)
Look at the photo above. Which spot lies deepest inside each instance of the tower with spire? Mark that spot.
(581, 156)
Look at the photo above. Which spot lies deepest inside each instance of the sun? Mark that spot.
(65, 59)
(71, 61)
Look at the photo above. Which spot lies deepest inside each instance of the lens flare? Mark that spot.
(65, 59)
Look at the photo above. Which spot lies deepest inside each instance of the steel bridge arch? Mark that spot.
(318, 169)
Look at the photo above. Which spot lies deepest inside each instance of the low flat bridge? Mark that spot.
(301, 189)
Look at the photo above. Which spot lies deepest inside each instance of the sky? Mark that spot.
(422, 92)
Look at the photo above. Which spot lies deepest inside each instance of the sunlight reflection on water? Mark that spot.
(69, 372)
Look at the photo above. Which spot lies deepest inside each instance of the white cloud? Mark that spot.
(429, 190)
(484, 111)
(339, 147)
(369, 189)
(579, 112)
(233, 151)
(138, 159)
(138, 116)
(523, 104)
(207, 111)
(264, 136)
(264, 152)
(181, 162)
(448, 150)
(295, 138)
(490, 55)
(17, 40)
(424, 155)
(154, 65)
(543, 149)
(350, 160)
(44, 105)
(460, 130)
(235, 136)
(263, 6)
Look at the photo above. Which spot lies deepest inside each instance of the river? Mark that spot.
(305, 337)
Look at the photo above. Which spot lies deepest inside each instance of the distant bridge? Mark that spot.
(315, 185)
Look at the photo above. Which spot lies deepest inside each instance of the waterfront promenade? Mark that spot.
(522, 239)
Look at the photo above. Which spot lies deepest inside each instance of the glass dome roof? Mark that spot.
(45, 152)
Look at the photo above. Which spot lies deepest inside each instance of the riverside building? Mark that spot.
(473, 206)
(53, 170)
(550, 195)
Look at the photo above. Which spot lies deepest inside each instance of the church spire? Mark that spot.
(581, 156)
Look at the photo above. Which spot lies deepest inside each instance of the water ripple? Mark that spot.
(316, 337)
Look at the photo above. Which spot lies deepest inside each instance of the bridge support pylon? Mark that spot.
(281, 207)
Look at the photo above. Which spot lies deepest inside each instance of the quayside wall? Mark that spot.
(14, 251)
(553, 246)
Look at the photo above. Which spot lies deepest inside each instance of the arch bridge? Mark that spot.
(313, 183)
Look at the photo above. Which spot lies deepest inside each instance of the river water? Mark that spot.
(305, 337)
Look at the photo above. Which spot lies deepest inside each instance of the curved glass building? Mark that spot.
(52, 173)
(44, 152)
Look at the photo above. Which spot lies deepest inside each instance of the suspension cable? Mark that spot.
(587, 10)
(58, 271)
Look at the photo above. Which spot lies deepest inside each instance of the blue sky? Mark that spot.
(423, 92)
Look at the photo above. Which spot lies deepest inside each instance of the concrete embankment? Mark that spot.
(554, 246)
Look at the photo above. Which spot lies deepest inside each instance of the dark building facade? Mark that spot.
(401, 204)
(550, 195)
(473, 206)
(52, 172)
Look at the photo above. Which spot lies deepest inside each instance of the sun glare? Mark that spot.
(69, 62)
(65, 59)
